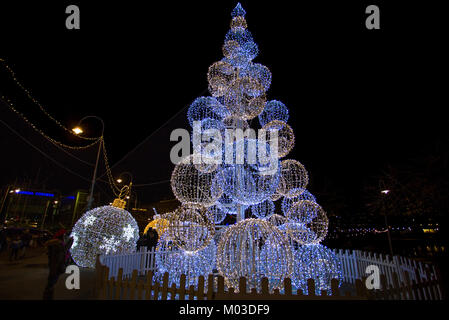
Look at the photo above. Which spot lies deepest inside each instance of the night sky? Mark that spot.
(358, 99)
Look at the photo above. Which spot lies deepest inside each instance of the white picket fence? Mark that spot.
(354, 264)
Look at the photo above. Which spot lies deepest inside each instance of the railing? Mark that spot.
(135, 288)
(396, 273)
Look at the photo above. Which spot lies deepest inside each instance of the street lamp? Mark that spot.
(78, 130)
(385, 192)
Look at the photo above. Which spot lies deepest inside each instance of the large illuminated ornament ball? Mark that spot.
(178, 262)
(283, 134)
(254, 248)
(260, 73)
(193, 186)
(159, 224)
(316, 262)
(288, 202)
(220, 76)
(103, 230)
(312, 219)
(190, 228)
(274, 110)
(251, 178)
(245, 98)
(293, 179)
(205, 107)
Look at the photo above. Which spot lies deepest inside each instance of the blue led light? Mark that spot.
(42, 194)
(25, 192)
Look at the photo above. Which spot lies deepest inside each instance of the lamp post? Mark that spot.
(78, 130)
(385, 193)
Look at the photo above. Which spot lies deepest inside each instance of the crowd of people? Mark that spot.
(17, 241)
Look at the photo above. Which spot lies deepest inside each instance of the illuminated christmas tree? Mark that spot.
(214, 182)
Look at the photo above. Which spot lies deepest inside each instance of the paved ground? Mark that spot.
(25, 279)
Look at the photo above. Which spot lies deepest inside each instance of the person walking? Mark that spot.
(26, 239)
(15, 245)
(57, 250)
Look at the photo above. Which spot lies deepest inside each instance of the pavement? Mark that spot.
(26, 278)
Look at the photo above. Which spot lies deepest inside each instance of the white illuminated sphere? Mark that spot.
(316, 262)
(250, 249)
(312, 219)
(178, 262)
(190, 228)
(193, 184)
(103, 230)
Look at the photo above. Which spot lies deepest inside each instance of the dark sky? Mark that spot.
(358, 99)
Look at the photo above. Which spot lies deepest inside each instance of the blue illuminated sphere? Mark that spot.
(316, 262)
(274, 110)
(177, 262)
(258, 72)
(252, 180)
(205, 107)
(287, 203)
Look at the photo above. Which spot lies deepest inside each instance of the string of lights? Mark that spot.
(43, 153)
(35, 128)
(28, 94)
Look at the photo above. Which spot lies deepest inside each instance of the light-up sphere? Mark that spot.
(258, 72)
(293, 179)
(253, 175)
(238, 23)
(244, 98)
(241, 36)
(205, 107)
(284, 135)
(316, 262)
(288, 202)
(103, 230)
(190, 228)
(219, 233)
(176, 262)
(239, 254)
(263, 209)
(192, 186)
(220, 75)
(237, 55)
(274, 110)
(159, 224)
(312, 217)
(216, 214)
